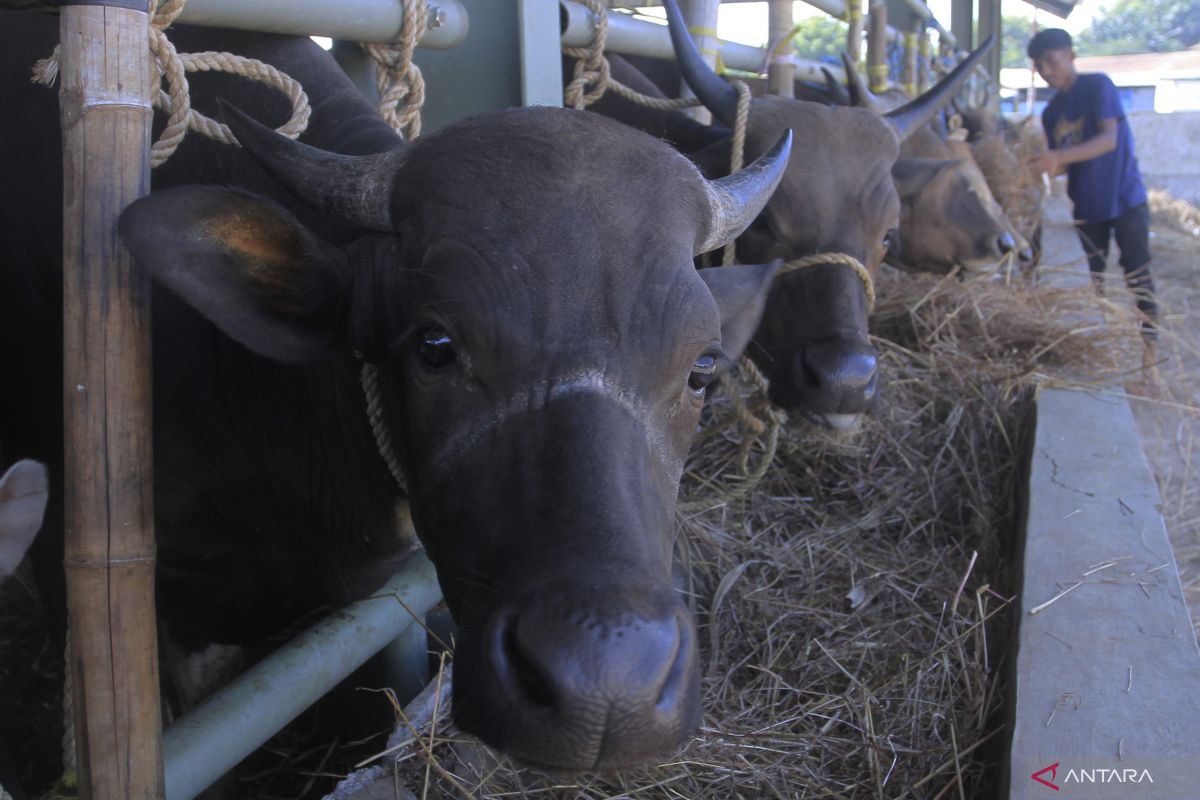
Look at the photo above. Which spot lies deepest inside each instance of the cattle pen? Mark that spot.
(973, 587)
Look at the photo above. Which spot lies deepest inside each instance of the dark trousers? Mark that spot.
(1132, 232)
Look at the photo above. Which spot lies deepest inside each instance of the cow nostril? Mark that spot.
(675, 682)
(528, 678)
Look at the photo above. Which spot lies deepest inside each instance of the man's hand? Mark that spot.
(1048, 162)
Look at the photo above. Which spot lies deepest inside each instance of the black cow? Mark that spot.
(523, 283)
(837, 195)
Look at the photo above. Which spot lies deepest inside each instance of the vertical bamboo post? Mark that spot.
(781, 69)
(854, 35)
(104, 103)
(701, 19)
(923, 62)
(909, 78)
(877, 70)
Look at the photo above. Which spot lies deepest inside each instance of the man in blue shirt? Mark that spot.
(1089, 136)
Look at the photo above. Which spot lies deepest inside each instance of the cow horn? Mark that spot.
(718, 96)
(736, 200)
(836, 91)
(860, 93)
(909, 117)
(356, 189)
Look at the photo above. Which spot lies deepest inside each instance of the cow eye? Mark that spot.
(703, 372)
(889, 238)
(436, 348)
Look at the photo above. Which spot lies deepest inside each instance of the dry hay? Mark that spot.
(853, 608)
(1019, 191)
(1178, 214)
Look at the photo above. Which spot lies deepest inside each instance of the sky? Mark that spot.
(747, 22)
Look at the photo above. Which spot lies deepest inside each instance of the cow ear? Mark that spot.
(23, 494)
(246, 264)
(741, 294)
(911, 175)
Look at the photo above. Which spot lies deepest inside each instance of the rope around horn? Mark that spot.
(401, 95)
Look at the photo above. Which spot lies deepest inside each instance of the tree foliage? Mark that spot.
(1017, 32)
(1142, 26)
(821, 37)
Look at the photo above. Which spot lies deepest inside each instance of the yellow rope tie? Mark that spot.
(878, 77)
(845, 259)
(400, 83)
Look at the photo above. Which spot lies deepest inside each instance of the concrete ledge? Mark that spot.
(1107, 675)
(1106, 694)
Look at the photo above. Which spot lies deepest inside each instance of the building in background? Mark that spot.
(1160, 82)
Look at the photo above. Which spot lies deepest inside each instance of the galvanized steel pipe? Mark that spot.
(638, 37)
(208, 741)
(353, 20)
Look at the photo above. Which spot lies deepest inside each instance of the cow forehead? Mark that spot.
(838, 138)
(837, 192)
(539, 171)
(576, 309)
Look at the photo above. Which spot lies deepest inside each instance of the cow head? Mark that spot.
(543, 344)
(837, 195)
(948, 217)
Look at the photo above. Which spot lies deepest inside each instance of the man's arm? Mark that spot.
(1054, 161)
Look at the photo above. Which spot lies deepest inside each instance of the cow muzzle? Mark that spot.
(583, 677)
(835, 382)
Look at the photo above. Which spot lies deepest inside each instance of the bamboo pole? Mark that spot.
(701, 18)
(854, 35)
(909, 79)
(923, 58)
(781, 70)
(877, 26)
(104, 103)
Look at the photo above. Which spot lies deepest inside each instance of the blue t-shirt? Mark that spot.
(1106, 187)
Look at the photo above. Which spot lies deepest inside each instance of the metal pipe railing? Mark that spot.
(629, 35)
(208, 741)
(353, 20)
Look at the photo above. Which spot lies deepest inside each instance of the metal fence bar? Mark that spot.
(208, 741)
(629, 35)
(355, 20)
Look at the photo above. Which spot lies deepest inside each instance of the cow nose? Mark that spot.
(1026, 255)
(596, 685)
(1006, 243)
(837, 377)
